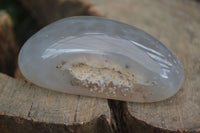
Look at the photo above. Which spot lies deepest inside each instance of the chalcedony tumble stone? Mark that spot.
(99, 57)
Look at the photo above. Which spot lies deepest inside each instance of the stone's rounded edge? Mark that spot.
(19, 59)
(99, 19)
(72, 19)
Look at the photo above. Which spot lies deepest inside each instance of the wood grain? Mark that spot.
(27, 102)
(176, 24)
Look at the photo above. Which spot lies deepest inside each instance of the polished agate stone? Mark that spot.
(103, 58)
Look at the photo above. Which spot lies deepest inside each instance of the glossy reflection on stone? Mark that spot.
(101, 58)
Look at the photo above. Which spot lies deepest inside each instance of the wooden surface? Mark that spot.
(25, 105)
(56, 9)
(176, 23)
(8, 48)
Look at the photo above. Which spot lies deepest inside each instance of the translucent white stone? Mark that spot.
(101, 58)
